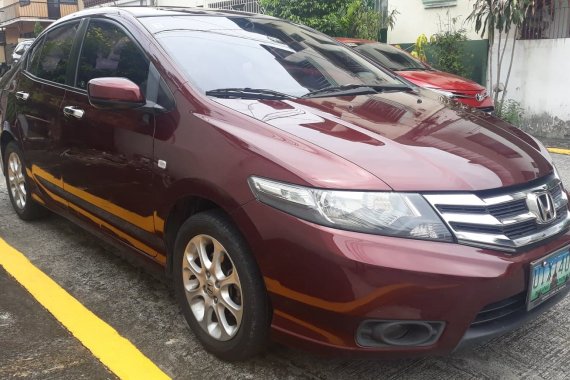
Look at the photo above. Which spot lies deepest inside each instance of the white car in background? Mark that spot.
(21, 49)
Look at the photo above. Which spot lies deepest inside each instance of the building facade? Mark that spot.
(428, 17)
(242, 5)
(18, 19)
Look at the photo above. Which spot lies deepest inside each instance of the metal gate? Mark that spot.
(252, 6)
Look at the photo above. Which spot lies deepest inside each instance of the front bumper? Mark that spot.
(518, 317)
(323, 283)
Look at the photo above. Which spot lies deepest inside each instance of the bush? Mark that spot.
(446, 49)
(325, 16)
(38, 29)
(510, 111)
(337, 18)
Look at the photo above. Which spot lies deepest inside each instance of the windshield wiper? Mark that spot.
(355, 89)
(248, 93)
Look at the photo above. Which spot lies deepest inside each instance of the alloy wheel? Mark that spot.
(17, 180)
(212, 287)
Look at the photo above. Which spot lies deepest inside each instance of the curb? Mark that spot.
(559, 151)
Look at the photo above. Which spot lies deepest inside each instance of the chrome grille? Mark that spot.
(501, 220)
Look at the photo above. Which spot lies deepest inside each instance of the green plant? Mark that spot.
(360, 20)
(510, 111)
(447, 48)
(346, 18)
(500, 16)
(324, 16)
(38, 28)
(388, 19)
(419, 50)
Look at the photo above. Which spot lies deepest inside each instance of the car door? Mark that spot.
(38, 94)
(107, 162)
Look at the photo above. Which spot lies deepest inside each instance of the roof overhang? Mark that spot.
(22, 19)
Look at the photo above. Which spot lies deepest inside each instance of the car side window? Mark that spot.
(34, 57)
(55, 53)
(109, 52)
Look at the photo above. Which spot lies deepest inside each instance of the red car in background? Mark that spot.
(463, 90)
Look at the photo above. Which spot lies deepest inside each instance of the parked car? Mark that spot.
(284, 183)
(453, 86)
(21, 49)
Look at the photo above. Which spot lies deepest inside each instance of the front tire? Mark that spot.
(18, 184)
(219, 287)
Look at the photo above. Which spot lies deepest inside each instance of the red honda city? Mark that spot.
(288, 187)
(453, 86)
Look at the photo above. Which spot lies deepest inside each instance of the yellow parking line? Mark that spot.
(115, 352)
(559, 151)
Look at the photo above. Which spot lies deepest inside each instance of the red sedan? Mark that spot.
(461, 89)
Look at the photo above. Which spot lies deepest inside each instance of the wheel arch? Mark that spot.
(5, 139)
(184, 204)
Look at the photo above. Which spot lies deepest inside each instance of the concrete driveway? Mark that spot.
(142, 309)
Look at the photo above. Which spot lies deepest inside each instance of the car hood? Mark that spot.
(411, 142)
(441, 80)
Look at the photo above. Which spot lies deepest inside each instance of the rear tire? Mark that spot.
(18, 185)
(220, 288)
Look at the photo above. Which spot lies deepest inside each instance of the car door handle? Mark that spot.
(22, 95)
(72, 111)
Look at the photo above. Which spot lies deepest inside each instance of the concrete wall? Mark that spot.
(414, 19)
(541, 83)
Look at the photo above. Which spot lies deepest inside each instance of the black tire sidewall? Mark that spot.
(253, 332)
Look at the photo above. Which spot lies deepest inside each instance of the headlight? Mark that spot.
(381, 213)
(443, 92)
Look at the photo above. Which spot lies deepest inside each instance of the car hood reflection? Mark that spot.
(411, 143)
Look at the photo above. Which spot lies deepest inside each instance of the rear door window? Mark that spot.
(51, 63)
(34, 57)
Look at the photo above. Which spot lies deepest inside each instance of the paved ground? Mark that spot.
(32, 343)
(142, 309)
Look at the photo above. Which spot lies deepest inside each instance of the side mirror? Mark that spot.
(114, 93)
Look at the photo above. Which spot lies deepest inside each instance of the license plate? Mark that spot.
(548, 276)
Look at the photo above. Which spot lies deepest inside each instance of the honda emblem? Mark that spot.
(541, 205)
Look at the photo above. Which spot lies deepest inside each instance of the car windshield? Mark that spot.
(239, 52)
(391, 57)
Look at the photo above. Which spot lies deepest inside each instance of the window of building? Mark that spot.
(439, 3)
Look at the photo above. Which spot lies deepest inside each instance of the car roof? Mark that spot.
(158, 11)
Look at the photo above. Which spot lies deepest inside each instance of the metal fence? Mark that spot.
(547, 23)
(252, 6)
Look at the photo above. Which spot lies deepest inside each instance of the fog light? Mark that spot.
(399, 333)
